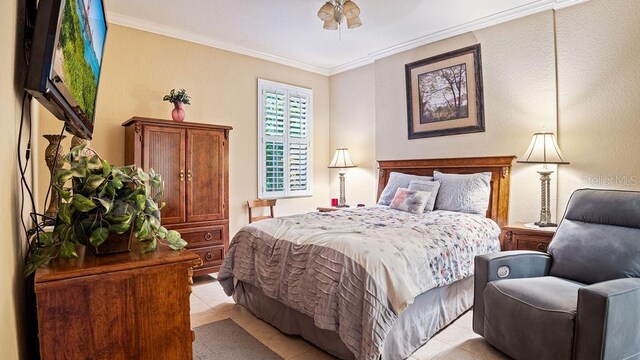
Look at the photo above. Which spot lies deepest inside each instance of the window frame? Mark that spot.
(288, 91)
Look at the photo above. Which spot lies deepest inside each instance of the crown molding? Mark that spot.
(176, 33)
(499, 18)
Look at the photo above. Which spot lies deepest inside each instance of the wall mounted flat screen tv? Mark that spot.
(66, 59)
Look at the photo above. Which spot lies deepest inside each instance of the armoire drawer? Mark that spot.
(211, 256)
(203, 236)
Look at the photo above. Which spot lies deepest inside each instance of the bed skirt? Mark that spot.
(430, 312)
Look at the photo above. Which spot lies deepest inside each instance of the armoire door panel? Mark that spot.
(205, 175)
(164, 151)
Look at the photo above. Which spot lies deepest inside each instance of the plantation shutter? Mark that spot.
(285, 114)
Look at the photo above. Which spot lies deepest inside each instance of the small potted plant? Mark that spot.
(179, 99)
(105, 208)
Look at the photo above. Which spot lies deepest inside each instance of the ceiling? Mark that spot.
(288, 31)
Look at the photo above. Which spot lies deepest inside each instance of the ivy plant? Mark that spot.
(102, 199)
(177, 96)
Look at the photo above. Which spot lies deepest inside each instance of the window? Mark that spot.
(284, 137)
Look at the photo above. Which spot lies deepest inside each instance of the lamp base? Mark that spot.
(545, 224)
(343, 206)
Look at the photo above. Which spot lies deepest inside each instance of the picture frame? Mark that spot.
(445, 94)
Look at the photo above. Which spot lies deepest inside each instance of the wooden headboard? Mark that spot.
(498, 166)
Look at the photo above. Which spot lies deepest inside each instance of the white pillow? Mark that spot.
(398, 180)
(412, 201)
(429, 186)
(467, 193)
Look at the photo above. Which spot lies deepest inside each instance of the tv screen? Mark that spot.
(66, 59)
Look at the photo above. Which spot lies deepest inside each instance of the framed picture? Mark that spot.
(444, 94)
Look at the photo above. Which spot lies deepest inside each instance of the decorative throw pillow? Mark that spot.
(412, 201)
(467, 193)
(428, 186)
(398, 180)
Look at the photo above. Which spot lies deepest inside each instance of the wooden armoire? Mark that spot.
(193, 160)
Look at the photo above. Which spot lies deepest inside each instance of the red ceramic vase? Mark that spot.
(178, 113)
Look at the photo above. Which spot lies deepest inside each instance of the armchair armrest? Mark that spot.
(608, 320)
(520, 264)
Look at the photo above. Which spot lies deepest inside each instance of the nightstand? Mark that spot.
(517, 236)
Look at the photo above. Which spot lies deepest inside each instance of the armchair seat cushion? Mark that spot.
(532, 318)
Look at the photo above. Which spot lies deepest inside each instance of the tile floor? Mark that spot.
(209, 303)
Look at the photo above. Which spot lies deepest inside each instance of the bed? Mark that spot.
(370, 283)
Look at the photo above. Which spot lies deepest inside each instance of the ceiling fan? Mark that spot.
(335, 12)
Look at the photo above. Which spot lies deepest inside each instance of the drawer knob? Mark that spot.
(542, 246)
(208, 236)
(209, 256)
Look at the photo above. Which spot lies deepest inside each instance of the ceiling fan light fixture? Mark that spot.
(326, 12)
(330, 24)
(353, 23)
(350, 9)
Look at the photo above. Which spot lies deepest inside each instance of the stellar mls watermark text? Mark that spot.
(623, 180)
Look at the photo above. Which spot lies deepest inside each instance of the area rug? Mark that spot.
(226, 340)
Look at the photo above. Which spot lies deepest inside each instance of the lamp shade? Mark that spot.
(326, 12)
(330, 25)
(350, 9)
(354, 22)
(543, 150)
(341, 159)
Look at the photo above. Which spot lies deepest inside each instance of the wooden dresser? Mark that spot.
(193, 160)
(123, 306)
(519, 237)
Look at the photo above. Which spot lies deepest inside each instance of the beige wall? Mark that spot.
(599, 73)
(599, 100)
(12, 309)
(353, 126)
(141, 67)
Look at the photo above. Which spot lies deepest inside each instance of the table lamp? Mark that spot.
(342, 160)
(544, 150)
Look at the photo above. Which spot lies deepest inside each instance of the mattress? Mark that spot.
(355, 272)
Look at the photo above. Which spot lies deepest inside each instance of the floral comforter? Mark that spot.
(355, 271)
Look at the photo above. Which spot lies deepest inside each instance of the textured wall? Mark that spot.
(599, 73)
(140, 67)
(353, 116)
(12, 314)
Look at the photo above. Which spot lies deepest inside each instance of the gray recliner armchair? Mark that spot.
(579, 301)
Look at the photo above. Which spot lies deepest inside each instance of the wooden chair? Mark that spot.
(258, 203)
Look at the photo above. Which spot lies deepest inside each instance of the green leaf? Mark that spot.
(153, 222)
(119, 219)
(106, 168)
(68, 250)
(142, 175)
(94, 163)
(45, 238)
(116, 183)
(62, 176)
(119, 228)
(91, 183)
(79, 168)
(107, 204)
(82, 203)
(64, 193)
(144, 230)
(162, 232)
(151, 246)
(65, 232)
(141, 200)
(98, 236)
(65, 212)
(174, 240)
